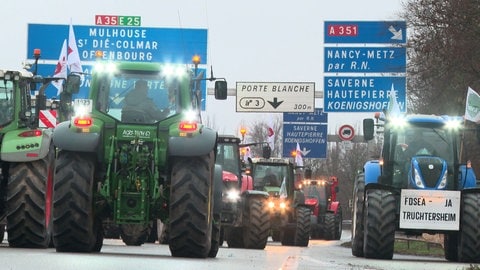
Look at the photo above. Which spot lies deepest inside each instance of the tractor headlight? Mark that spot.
(453, 124)
(418, 178)
(233, 195)
(271, 204)
(398, 122)
(443, 182)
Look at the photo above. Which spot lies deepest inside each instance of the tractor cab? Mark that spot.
(413, 145)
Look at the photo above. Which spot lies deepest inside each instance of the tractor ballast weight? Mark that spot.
(130, 165)
(245, 219)
(418, 185)
(26, 159)
(289, 215)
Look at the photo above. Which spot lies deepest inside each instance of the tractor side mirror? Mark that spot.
(368, 129)
(221, 90)
(73, 83)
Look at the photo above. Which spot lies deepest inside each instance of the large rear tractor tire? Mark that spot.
(75, 227)
(191, 206)
(380, 223)
(469, 235)
(357, 216)
(302, 230)
(256, 224)
(29, 203)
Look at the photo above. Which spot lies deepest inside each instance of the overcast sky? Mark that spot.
(261, 40)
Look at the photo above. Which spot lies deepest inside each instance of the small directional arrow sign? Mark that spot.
(275, 103)
(275, 96)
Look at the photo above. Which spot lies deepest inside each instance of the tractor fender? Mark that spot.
(67, 138)
(255, 193)
(12, 149)
(334, 207)
(199, 144)
(372, 171)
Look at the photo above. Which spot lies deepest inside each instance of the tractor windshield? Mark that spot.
(6, 102)
(227, 156)
(269, 175)
(141, 98)
(419, 141)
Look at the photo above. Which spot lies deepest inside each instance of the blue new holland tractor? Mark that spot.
(416, 185)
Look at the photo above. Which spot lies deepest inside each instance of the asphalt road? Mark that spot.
(319, 254)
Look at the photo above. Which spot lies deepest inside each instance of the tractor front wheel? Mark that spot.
(256, 224)
(357, 216)
(469, 235)
(302, 230)
(379, 226)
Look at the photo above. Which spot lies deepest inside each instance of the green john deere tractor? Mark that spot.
(131, 165)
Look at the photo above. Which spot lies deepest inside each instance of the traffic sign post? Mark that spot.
(275, 96)
(346, 133)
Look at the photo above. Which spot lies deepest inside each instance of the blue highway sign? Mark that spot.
(166, 45)
(365, 59)
(365, 32)
(309, 130)
(362, 94)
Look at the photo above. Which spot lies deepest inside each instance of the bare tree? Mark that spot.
(257, 132)
(443, 54)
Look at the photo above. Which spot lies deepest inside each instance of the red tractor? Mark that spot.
(321, 197)
(245, 221)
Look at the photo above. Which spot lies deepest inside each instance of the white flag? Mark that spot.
(298, 156)
(74, 63)
(248, 154)
(61, 68)
(472, 106)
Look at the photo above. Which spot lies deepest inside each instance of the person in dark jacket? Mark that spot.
(138, 107)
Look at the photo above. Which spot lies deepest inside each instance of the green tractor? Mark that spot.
(132, 164)
(26, 159)
(289, 215)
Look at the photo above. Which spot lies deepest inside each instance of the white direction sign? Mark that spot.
(275, 97)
